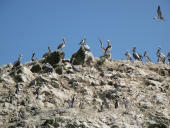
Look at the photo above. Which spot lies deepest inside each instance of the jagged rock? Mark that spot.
(47, 68)
(20, 78)
(79, 57)
(59, 69)
(36, 68)
(55, 57)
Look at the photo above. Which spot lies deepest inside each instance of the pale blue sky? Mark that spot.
(32, 25)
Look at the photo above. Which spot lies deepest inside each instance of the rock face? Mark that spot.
(50, 93)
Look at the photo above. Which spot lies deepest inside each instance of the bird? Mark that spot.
(161, 56)
(159, 17)
(103, 49)
(84, 45)
(62, 45)
(109, 47)
(136, 55)
(148, 60)
(83, 41)
(128, 56)
(32, 58)
(49, 51)
(18, 61)
(168, 57)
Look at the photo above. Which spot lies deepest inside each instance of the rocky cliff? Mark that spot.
(104, 94)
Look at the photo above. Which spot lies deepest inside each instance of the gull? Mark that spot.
(159, 17)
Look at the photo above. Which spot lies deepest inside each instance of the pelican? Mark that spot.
(103, 49)
(128, 56)
(148, 60)
(18, 61)
(32, 58)
(49, 51)
(62, 45)
(168, 57)
(83, 41)
(109, 47)
(136, 55)
(161, 56)
(159, 17)
(84, 45)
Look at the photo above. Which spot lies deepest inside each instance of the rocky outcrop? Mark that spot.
(54, 93)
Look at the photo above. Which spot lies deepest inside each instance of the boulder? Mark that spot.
(55, 57)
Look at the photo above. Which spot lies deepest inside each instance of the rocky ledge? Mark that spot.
(102, 94)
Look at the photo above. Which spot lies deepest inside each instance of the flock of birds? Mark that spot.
(107, 50)
(139, 57)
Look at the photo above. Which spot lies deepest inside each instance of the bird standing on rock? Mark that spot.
(148, 60)
(136, 55)
(128, 56)
(62, 45)
(109, 47)
(161, 56)
(17, 62)
(103, 49)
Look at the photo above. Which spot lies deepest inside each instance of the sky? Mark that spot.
(28, 26)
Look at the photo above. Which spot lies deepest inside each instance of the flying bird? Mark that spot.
(159, 17)
(62, 45)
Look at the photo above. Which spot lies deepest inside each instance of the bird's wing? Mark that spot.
(101, 43)
(159, 11)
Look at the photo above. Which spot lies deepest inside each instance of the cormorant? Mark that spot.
(17, 62)
(148, 60)
(136, 55)
(62, 45)
(128, 56)
(109, 47)
(159, 17)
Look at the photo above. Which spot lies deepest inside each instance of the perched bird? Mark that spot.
(62, 45)
(161, 56)
(136, 55)
(103, 49)
(148, 60)
(109, 47)
(168, 57)
(84, 45)
(32, 58)
(128, 56)
(17, 62)
(49, 51)
(83, 41)
(159, 17)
